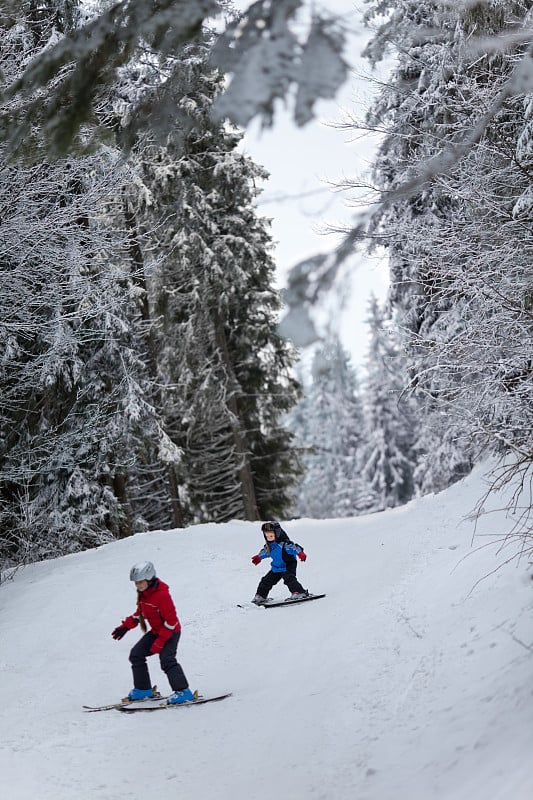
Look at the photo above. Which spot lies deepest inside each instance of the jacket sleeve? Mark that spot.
(132, 621)
(263, 553)
(170, 621)
(292, 548)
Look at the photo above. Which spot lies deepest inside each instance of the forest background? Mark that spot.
(143, 382)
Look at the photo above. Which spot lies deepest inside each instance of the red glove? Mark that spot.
(302, 556)
(256, 560)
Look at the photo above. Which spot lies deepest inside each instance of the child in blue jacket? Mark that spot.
(281, 550)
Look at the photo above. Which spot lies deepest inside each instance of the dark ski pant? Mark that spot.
(271, 578)
(167, 657)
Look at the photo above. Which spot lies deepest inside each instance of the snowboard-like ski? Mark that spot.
(132, 708)
(289, 602)
(270, 603)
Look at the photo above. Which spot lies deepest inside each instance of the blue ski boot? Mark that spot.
(140, 694)
(177, 698)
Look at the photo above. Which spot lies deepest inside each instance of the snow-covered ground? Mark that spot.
(411, 680)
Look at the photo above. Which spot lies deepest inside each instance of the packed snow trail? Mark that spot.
(410, 680)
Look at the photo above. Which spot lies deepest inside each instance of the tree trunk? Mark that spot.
(119, 489)
(175, 503)
(137, 258)
(244, 471)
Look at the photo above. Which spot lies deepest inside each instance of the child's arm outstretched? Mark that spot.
(295, 550)
(263, 553)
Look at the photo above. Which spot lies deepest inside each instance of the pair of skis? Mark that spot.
(155, 703)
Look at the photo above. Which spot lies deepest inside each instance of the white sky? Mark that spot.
(297, 198)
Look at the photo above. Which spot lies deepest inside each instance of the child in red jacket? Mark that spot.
(155, 607)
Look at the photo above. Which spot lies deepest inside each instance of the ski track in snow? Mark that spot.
(411, 680)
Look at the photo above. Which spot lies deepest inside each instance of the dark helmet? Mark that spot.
(281, 535)
(272, 526)
(144, 571)
(268, 526)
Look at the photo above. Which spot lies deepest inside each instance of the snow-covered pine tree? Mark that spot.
(70, 376)
(329, 428)
(223, 370)
(388, 460)
(413, 111)
(458, 274)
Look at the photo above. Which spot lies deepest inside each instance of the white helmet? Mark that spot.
(144, 571)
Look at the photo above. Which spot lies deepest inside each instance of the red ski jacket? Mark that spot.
(157, 608)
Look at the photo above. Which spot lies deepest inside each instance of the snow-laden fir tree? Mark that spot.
(329, 428)
(71, 381)
(388, 460)
(224, 372)
(459, 250)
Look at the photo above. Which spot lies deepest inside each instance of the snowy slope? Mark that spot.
(411, 680)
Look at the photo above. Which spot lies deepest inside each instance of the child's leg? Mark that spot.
(171, 668)
(139, 667)
(267, 582)
(292, 583)
(291, 565)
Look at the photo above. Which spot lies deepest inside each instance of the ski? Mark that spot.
(199, 700)
(126, 701)
(289, 602)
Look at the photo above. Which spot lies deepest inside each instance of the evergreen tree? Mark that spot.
(329, 427)
(455, 238)
(388, 460)
(223, 370)
(71, 380)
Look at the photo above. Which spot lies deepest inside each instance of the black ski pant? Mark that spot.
(271, 578)
(167, 658)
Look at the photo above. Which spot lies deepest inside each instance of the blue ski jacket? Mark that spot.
(276, 554)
